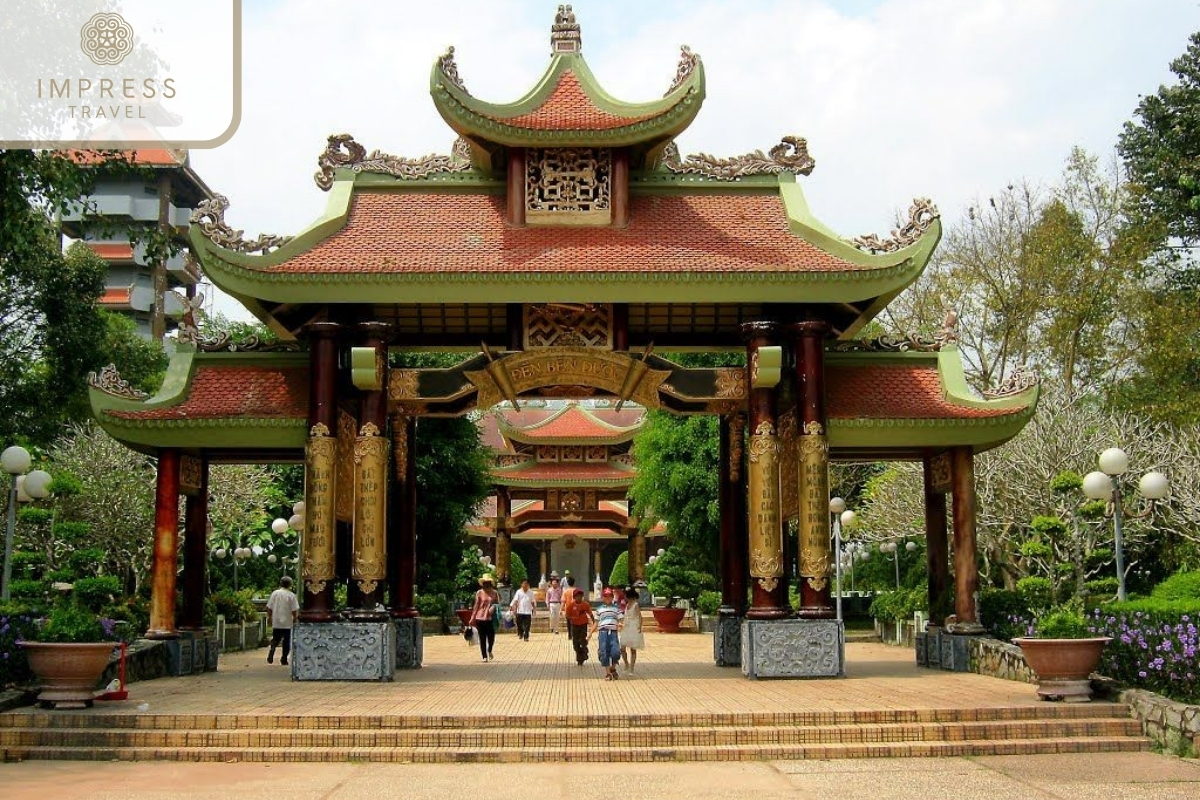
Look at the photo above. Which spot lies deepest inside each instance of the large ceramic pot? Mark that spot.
(668, 619)
(1063, 666)
(67, 673)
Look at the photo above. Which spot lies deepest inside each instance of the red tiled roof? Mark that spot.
(115, 297)
(467, 233)
(568, 108)
(238, 392)
(572, 422)
(575, 473)
(112, 251)
(894, 391)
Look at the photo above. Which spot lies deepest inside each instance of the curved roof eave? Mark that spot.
(151, 435)
(881, 275)
(475, 118)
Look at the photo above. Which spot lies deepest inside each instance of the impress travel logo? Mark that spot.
(119, 73)
(106, 39)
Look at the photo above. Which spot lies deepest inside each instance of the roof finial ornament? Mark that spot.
(564, 33)
(921, 215)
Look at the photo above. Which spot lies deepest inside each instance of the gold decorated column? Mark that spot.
(812, 474)
(768, 586)
(320, 479)
(368, 558)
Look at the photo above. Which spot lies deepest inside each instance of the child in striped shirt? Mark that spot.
(608, 617)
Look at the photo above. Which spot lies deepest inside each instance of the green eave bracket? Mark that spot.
(768, 367)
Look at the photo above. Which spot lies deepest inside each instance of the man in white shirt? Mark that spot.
(522, 607)
(284, 610)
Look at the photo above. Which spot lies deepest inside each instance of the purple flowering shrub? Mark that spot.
(17, 623)
(1155, 646)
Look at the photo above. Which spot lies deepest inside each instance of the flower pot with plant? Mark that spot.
(1063, 652)
(673, 576)
(69, 654)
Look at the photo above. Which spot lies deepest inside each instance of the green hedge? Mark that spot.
(899, 605)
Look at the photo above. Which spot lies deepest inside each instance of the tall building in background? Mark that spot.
(162, 193)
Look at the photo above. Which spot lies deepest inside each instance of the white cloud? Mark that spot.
(897, 99)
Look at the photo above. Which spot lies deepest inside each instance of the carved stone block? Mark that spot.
(955, 652)
(793, 648)
(410, 648)
(179, 655)
(727, 641)
(933, 648)
(919, 644)
(343, 651)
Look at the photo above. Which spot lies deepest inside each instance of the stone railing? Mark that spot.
(1174, 726)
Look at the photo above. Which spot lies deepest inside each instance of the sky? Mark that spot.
(946, 99)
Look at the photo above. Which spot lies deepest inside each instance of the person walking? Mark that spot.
(284, 610)
(606, 621)
(483, 615)
(631, 634)
(579, 617)
(522, 607)
(568, 601)
(554, 598)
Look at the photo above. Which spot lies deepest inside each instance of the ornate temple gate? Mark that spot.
(563, 240)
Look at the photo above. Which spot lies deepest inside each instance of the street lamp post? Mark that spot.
(36, 485)
(841, 517)
(890, 548)
(1104, 485)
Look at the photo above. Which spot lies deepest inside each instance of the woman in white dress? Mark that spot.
(630, 630)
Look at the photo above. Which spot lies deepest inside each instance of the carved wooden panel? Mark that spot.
(597, 453)
(572, 452)
(568, 186)
(547, 452)
(568, 325)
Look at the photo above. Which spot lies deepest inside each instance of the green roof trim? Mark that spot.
(150, 435)
(485, 121)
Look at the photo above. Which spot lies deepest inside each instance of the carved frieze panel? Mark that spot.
(547, 452)
(568, 325)
(597, 454)
(568, 185)
(571, 501)
(572, 452)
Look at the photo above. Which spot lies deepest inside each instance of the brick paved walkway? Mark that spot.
(675, 676)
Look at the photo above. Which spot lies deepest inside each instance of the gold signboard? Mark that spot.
(319, 521)
(572, 366)
(191, 475)
(940, 473)
(766, 546)
(369, 564)
(813, 489)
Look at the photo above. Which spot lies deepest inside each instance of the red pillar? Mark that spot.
(812, 471)
(966, 570)
(937, 555)
(402, 527)
(319, 559)
(768, 583)
(731, 500)
(166, 542)
(195, 553)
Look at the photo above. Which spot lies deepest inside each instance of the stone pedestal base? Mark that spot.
(727, 641)
(343, 651)
(410, 648)
(793, 648)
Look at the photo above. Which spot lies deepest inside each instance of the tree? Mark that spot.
(1160, 149)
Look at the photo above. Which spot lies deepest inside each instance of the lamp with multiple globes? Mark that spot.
(24, 488)
(1105, 485)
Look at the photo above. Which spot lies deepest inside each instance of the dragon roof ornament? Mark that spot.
(110, 381)
(343, 151)
(450, 69)
(911, 342)
(921, 215)
(1018, 381)
(790, 155)
(209, 216)
(687, 65)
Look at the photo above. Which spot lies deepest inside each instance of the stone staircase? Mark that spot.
(1015, 730)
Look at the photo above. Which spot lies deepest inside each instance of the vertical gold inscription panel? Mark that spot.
(319, 519)
(813, 489)
(766, 546)
(369, 564)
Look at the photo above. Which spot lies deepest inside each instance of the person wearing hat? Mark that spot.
(483, 615)
(579, 615)
(606, 620)
(554, 598)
